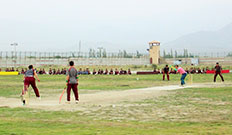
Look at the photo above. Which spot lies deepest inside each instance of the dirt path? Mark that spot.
(105, 98)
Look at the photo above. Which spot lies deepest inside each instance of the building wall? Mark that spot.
(78, 61)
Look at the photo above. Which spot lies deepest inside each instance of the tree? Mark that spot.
(229, 55)
(90, 53)
(93, 53)
(187, 53)
(154, 66)
(138, 54)
(164, 54)
(176, 55)
(171, 54)
(120, 53)
(124, 53)
(104, 53)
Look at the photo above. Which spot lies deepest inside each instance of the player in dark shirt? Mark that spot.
(29, 79)
(218, 70)
(72, 82)
(166, 71)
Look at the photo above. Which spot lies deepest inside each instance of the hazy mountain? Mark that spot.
(204, 41)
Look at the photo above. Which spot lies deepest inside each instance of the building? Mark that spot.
(154, 52)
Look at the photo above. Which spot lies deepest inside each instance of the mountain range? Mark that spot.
(204, 41)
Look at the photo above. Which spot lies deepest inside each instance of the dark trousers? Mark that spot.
(216, 74)
(182, 78)
(75, 91)
(31, 81)
(167, 76)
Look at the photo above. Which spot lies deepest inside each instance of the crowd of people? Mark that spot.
(115, 71)
(80, 71)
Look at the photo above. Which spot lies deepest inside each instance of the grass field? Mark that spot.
(12, 85)
(189, 111)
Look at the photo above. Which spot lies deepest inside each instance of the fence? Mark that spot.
(200, 55)
(17, 59)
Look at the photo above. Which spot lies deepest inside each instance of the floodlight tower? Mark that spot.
(14, 45)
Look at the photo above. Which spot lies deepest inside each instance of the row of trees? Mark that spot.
(229, 55)
(101, 53)
(170, 54)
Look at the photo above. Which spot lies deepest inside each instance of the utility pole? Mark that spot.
(14, 45)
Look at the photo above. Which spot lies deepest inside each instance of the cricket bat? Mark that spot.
(62, 95)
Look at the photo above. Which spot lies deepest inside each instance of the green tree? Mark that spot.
(104, 55)
(164, 54)
(138, 54)
(171, 54)
(124, 54)
(176, 54)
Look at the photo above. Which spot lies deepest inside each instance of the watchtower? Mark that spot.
(154, 52)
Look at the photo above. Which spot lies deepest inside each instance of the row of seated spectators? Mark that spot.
(94, 72)
(87, 71)
(104, 72)
(80, 71)
(112, 72)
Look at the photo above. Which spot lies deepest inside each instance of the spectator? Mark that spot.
(111, 71)
(129, 72)
(94, 72)
(106, 71)
(50, 71)
(116, 72)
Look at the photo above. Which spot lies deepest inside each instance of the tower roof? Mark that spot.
(154, 42)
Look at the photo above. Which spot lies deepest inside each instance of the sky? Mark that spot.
(59, 25)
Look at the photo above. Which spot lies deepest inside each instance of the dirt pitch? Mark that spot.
(97, 99)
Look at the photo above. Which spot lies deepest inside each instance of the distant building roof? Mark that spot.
(154, 42)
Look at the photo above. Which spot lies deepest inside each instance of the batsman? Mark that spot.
(182, 72)
(72, 82)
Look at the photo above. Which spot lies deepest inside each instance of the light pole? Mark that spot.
(79, 54)
(14, 45)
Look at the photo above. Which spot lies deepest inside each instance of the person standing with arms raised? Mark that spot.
(72, 82)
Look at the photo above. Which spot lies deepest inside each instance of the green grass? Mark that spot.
(190, 111)
(11, 86)
(190, 104)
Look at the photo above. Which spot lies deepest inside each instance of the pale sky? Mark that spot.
(58, 25)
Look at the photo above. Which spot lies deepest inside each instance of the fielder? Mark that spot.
(166, 71)
(218, 71)
(72, 82)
